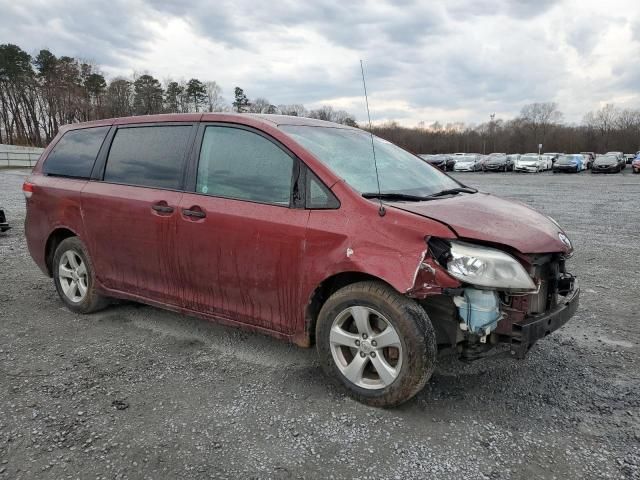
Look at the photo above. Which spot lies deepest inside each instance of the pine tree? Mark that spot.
(197, 93)
(241, 103)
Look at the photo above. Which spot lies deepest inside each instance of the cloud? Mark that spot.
(453, 60)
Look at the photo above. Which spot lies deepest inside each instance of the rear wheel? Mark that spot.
(74, 277)
(377, 343)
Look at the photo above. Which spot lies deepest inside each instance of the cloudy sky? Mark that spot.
(454, 60)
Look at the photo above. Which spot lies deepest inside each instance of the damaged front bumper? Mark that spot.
(525, 333)
(526, 168)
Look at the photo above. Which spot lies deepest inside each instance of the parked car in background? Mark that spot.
(471, 162)
(635, 164)
(621, 160)
(498, 163)
(629, 158)
(530, 162)
(569, 163)
(554, 156)
(265, 222)
(548, 161)
(606, 163)
(4, 224)
(442, 161)
(590, 156)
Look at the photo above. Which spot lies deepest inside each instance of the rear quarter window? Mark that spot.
(75, 153)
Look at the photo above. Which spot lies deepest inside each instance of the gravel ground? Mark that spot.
(137, 392)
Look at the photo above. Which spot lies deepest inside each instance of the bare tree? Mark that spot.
(296, 110)
(539, 118)
(215, 102)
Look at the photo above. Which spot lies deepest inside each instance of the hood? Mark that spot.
(487, 218)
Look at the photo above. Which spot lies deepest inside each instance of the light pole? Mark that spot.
(491, 133)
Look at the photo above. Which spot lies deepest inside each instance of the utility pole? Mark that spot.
(491, 131)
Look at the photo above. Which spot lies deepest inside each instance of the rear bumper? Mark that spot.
(527, 332)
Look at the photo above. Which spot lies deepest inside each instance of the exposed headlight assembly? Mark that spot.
(487, 267)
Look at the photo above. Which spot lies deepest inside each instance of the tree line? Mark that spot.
(608, 129)
(41, 92)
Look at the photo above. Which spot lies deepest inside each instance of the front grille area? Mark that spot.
(545, 271)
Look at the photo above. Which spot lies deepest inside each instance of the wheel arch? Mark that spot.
(55, 238)
(324, 290)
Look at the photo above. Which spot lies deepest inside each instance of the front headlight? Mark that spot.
(488, 267)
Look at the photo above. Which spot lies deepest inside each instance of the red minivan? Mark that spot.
(292, 227)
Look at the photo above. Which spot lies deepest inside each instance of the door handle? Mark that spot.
(162, 208)
(194, 213)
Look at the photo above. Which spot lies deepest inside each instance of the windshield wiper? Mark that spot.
(454, 191)
(396, 196)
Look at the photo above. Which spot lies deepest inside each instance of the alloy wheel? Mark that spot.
(366, 348)
(72, 273)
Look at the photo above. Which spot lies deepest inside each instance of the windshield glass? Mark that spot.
(529, 158)
(566, 159)
(348, 153)
(606, 159)
(466, 158)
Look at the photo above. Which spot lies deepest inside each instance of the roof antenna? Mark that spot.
(381, 210)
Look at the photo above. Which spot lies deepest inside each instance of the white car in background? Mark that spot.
(530, 162)
(548, 161)
(470, 162)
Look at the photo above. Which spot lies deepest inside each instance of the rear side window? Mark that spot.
(148, 156)
(237, 163)
(75, 153)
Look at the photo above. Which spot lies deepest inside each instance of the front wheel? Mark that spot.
(74, 277)
(377, 343)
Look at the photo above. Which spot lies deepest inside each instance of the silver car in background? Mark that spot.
(471, 162)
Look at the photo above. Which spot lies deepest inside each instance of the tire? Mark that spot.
(376, 304)
(65, 273)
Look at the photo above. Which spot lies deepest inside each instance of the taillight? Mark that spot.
(27, 189)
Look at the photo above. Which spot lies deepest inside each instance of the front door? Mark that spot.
(241, 242)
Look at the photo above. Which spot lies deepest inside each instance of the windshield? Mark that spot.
(348, 153)
(466, 159)
(606, 159)
(566, 159)
(529, 158)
